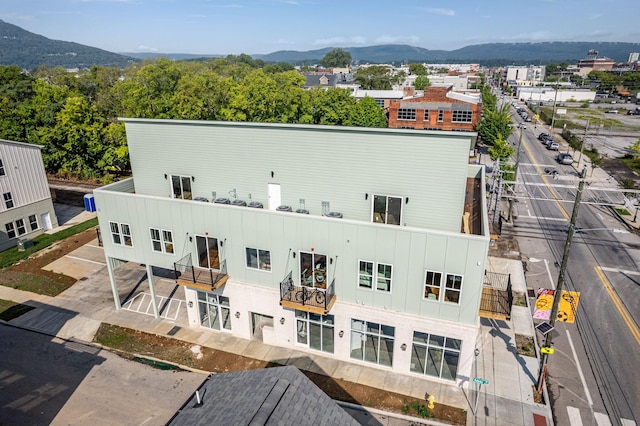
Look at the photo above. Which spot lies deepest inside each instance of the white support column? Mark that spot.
(114, 285)
(152, 289)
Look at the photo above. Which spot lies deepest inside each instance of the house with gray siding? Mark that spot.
(26, 209)
(360, 244)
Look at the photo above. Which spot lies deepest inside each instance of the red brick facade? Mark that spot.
(434, 111)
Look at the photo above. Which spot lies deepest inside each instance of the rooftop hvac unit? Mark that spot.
(334, 214)
(203, 199)
(238, 203)
(283, 208)
(222, 201)
(255, 205)
(302, 211)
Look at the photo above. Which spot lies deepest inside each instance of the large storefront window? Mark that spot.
(435, 355)
(214, 311)
(372, 342)
(315, 331)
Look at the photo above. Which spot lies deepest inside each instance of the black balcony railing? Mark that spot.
(186, 272)
(307, 298)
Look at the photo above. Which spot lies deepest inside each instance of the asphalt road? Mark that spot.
(45, 380)
(594, 373)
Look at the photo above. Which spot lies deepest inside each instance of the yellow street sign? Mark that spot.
(537, 116)
(568, 306)
(546, 350)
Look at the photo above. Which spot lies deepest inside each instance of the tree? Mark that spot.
(495, 124)
(375, 77)
(500, 150)
(367, 113)
(336, 58)
(417, 69)
(421, 82)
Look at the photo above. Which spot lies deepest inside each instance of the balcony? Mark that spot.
(309, 299)
(200, 278)
(497, 296)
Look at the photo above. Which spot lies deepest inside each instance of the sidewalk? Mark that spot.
(506, 400)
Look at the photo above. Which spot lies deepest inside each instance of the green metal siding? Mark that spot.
(314, 163)
(409, 250)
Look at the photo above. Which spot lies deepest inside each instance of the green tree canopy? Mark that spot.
(367, 113)
(417, 69)
(500, 150)
(336, 58)
(421, 82)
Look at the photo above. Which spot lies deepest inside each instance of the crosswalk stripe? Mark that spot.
(574, 416)
(626, 422)
(602, 419)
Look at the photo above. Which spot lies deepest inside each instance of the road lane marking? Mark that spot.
(85, 260)
(622, 271)
(584, 382)
(626, 422)
(602, 419)
(574, 416)
(546, 265)
(559, 219)
(618, 304)
(544, 179)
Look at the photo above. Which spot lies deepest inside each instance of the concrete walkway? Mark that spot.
(78, 312)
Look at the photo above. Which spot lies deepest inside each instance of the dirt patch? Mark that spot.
(28, 274)
(130, 343)
(525, 345)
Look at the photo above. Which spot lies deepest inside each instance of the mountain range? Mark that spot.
(29, 51)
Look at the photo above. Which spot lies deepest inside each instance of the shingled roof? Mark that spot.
(270, 396)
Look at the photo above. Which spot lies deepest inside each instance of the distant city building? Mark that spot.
(525, 76)
(439, 108)
(593, 63)
(327, 80)
(634, 57)
(26, 209)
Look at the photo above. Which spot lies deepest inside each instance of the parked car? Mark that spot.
(564, 158)
(542, 136)
(553, 146)
(611, 111)
(634, 111)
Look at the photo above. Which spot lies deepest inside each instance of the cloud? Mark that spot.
(438, 11)
(594, 16)
(337, 41)
(388, 39)
(290, 2)
(143, 48)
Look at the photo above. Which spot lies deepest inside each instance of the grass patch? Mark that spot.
(37, 283)
(525, 345)
(12, 255)
(10, 310)
(623, 212)
(416, 408)
(632, 163)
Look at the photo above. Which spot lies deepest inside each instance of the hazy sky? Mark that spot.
(264, 26)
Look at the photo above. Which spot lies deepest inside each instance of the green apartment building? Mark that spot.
(365, 245)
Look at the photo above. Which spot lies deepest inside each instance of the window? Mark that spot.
(258, 259)
(20, 226)
(121, 234)
(462, 116)
(372, 342)
(426, 115)
(313, 270)
(208, 253)
(383, 276)
(8, 200)
(436, 356)
(406, 114)
(33, 222)
(315, 331)
(380, 102)
(440, 116)
(161, 240)
(432, 285)
(387, 209)
(2, 173)
(181, 187)
(214, 311)
(453, 286)
(11, 231)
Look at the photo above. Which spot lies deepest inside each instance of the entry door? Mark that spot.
(258, 322)
(275, 198)
(208, 253)
(45, 220)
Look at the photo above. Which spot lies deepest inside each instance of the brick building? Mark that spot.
(440, 108)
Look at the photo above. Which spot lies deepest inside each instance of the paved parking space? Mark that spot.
(81, 262)
(169, 307)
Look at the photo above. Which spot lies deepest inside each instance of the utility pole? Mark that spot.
(584, 140)
(553, 114)
(558, 291)
(515, 176)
